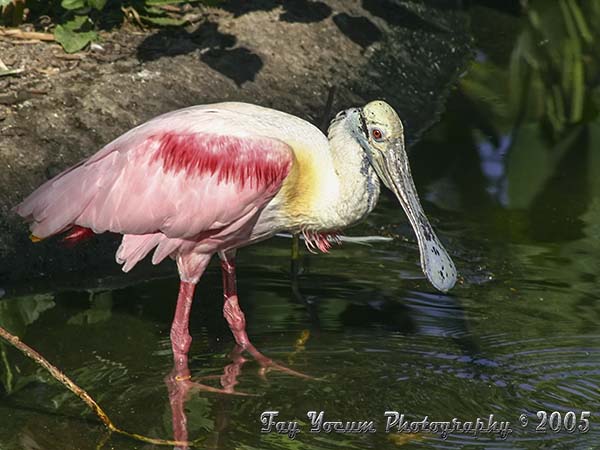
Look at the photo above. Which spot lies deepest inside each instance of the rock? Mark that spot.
(284, 55)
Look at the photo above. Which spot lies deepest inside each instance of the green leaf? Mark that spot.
(5, 2)
(73, 41)
(163, 21)
(581, 23)
(530, 163)
(154, 10)
(73, 4)
(162, 2)
(16, 316)
(75, 23)
(578, 91)
(97, 4)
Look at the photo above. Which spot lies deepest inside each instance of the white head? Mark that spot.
(379, 131)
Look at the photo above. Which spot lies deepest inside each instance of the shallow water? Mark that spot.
(519, 334)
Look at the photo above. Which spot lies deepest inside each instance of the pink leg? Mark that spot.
(180, 335)
(237, 321)
(178, 393)
(181, 340)
(231, 308)
(178, 381)
(180, 389)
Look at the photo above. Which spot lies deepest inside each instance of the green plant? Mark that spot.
(552, 65)
(78, 31)
(12, 11)
(77, 21)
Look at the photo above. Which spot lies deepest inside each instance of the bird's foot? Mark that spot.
(196, 386)
(189, 386)
(267, 364)
(180, 378)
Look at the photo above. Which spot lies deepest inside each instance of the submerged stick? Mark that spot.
(295, 262)
(82, 394)
(361, 240)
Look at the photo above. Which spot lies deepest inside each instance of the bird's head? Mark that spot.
(380, 133)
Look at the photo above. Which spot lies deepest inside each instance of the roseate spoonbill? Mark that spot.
(210, 179)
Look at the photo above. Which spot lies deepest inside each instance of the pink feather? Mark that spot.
(164, 187)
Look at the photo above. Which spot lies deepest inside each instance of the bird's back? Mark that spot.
(184, 173)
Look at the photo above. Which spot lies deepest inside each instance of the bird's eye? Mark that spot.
(377, 134)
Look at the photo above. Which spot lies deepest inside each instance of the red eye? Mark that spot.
(376, 133)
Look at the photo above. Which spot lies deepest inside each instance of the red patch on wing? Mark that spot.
(76, 235)
(259, 162)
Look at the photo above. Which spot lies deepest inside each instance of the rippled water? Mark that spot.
(519, 334)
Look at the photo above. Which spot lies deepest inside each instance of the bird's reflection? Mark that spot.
(181, 385)
(415, 312)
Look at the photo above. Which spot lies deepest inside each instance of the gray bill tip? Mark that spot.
(437, 265)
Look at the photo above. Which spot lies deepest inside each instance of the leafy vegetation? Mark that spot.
(554, 61)
(75, 22)
(531, 97)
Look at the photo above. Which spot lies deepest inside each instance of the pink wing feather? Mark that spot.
(165, 185)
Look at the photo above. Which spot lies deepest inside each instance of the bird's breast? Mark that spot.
(316, 197)
(309, 189)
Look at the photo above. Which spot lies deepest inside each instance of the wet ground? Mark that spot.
(519, 336)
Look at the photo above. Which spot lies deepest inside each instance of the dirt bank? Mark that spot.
(284, 55)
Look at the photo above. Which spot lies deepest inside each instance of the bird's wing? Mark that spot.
(163, 177)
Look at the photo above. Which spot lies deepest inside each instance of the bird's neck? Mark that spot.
(358, 183)
(330, 187)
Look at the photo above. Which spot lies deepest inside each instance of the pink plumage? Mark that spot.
(178, 191)
(184, 185)
(241, 160)
(209, 179)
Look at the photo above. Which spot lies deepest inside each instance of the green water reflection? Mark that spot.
(518, 205)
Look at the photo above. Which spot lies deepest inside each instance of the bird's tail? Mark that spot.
(55, 206)
(135, 247)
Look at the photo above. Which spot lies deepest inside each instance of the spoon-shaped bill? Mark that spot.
(437, 265)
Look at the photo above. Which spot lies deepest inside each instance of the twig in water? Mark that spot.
(83, 395)
(361, 240)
